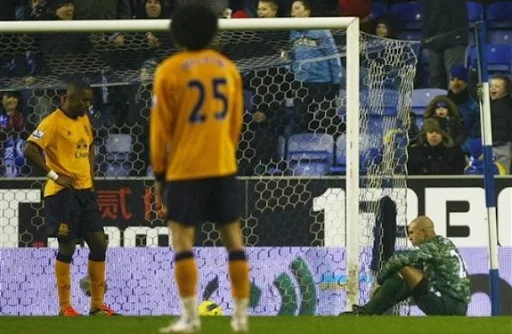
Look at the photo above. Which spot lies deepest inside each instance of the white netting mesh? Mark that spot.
(292, 152)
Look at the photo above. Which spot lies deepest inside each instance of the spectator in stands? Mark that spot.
(12, 135)
(435, 154)
(442, 109)
(382, 27)
(316, 64)
(501, 119)
(11, 116)
(446, 31)
(36, 10)
(102, 10)
(267, 9)
(140, 107)
(55, 48)
(155, 9)
(468, 107)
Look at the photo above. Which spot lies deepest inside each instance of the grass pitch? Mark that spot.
(292, 325)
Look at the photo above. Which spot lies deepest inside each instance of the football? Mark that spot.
(85, 286)
(209, 308)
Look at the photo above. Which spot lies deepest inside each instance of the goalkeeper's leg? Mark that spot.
(392, 291)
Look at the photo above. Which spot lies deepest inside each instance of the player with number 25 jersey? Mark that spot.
(197, 111)
(195, 125)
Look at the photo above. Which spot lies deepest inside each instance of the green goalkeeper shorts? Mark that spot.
(435, 303)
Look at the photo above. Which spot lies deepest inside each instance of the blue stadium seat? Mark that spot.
(379, 9)
(310, 154)
(499, 58)
(412, 35)
(118, 147)
(498, 15)
(422, 97)
(117, 169)
(118, 155)
(475, 11)
(503, 37)
(408, 15)
(367, 156)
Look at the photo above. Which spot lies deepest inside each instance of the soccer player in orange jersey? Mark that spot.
(62, 146)
(195, 126)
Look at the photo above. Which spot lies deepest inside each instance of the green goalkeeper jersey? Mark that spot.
(440, 261)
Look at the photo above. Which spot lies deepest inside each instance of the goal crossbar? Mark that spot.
(95, 26)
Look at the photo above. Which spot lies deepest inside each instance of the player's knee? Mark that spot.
(421, 288)
(98, 248)
(237, 255)
(66, 249)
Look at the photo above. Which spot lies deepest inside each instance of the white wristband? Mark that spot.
(52, 175)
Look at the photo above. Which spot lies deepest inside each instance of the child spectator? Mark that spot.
(382, 27)
(501, 120)
(446, 113)
(435, 154)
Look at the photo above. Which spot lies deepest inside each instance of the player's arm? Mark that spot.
(92, 159)
(413, 257)
(159, 129)
(36, 143)
(34, 154)
(238, 111)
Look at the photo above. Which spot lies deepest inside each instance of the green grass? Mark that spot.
(295, 325)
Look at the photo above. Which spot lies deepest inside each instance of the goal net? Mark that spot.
(293, 158)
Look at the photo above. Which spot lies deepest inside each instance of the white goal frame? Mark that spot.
(349, 24)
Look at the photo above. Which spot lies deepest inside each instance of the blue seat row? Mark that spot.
(409, 14)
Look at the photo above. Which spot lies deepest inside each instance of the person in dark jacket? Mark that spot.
(442, 109)
(435, 155)
(501, 120)
(446, 33)
(468, 107)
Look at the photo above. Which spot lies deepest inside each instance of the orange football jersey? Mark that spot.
(66, 143)
(197, 115)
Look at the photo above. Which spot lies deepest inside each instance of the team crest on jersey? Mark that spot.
(38, 134)
(82, 149)
(63, 229)
(153, 101)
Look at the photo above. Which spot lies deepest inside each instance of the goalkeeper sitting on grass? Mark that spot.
(434, 274)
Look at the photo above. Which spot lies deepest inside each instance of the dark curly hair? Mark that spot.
(194, 26)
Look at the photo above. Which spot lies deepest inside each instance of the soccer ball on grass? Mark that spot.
(209, 308)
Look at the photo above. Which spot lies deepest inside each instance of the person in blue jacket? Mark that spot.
(316, 64)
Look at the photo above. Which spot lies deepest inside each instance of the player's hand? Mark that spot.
(259, 117)
(159, 195)
(65, 181)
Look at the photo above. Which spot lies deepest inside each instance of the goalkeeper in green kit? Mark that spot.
(434, 274)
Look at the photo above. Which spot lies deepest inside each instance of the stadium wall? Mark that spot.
(290, 273)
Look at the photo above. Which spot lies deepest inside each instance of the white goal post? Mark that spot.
(349, 24)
